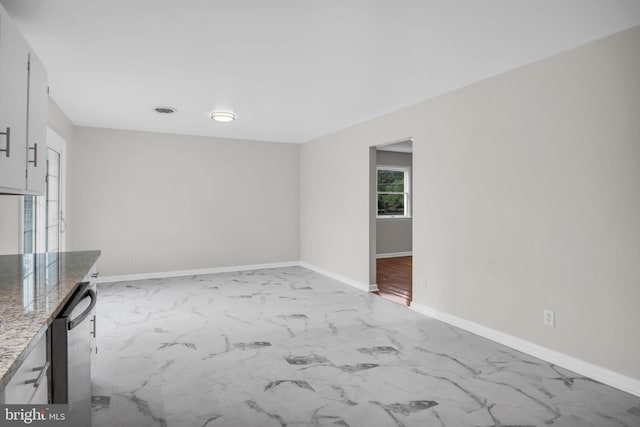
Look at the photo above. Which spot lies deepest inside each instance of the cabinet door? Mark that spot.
(30, 382)
(37, 126)
(13, 106)
(92, 277)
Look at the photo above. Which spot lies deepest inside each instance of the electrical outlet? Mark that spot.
(549, 318)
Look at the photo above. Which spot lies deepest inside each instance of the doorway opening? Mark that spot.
(392, 223)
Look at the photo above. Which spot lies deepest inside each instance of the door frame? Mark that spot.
(59, 144)
(373, 209)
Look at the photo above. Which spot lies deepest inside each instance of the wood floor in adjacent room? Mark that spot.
(393, 277)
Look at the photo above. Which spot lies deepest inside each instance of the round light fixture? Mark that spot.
(223, 116)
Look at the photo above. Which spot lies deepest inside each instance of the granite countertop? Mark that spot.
(33, 290)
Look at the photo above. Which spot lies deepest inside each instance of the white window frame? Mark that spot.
(58, 143)
(406, 192)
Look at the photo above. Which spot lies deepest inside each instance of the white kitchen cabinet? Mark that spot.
(23, 113)
(37, 126)
(14, 59)
(30, 383)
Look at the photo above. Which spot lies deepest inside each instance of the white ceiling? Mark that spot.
(292, 70)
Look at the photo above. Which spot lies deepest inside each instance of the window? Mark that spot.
(393, 192)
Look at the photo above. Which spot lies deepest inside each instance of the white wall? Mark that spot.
(157, 202)
(393, 235)
(10, 215)
(527, 197)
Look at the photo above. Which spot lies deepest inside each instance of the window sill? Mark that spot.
(393, 218)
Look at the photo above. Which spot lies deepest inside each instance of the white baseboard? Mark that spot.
(358, 285)
(606, 376)
(214, 270)
(394, 254)
(180, 273)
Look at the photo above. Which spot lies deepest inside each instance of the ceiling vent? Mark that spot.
(164, 110)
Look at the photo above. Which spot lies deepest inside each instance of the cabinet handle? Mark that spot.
(35, 155)
(95, 275)
(43, 372)
(94, 326)
(7, 149)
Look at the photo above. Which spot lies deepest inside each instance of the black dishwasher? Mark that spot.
(70, 355)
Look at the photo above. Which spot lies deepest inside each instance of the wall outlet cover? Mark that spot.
(549, 318)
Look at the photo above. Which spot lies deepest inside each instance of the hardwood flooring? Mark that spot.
(393, 276)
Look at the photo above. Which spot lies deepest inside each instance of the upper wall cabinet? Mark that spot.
(23, 114)
(37, 126)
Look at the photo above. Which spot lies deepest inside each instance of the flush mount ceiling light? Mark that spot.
(223, 116)
(164, 110)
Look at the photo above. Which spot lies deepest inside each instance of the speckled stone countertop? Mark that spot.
(33, 290)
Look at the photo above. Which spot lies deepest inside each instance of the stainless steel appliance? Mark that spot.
(70, 355)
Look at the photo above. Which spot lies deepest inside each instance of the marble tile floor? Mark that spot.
(289, 347)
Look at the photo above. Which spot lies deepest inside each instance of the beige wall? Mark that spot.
(393, 235)
(157, 202)
(527, 197)
(334, 205)
(10, 215)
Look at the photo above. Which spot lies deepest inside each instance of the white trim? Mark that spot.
(397, 141)
(178, 273)
(394, 255)
(606, 376)
(21, 228)
(55, 140)
(164, 274)
(401, 168)
(59, 144)
(406, 192)
(358, 285)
